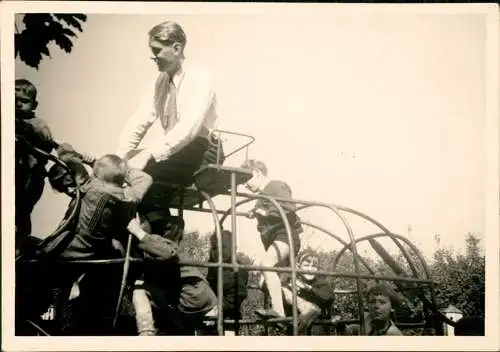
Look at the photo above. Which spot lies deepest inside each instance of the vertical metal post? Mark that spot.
(181, 204)
(233, 252)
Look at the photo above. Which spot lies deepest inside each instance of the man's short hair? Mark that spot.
(253, 164)
(384, 290)
(167, 33)
(27, 88)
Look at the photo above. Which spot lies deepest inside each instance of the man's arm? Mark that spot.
(137, 125)
(200, 100)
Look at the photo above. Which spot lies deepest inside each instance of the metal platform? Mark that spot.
(212, 179)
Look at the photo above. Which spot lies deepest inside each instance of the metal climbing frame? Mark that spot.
(217, 179)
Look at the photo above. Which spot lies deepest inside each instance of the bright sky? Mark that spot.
(380, 112)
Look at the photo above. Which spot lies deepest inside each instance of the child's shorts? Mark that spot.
(280, 235)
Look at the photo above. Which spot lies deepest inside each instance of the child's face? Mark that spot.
(253, 184)
(380, 307)
(310, 264)
(23, 102)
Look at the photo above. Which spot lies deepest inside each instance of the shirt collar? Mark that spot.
(179, 75)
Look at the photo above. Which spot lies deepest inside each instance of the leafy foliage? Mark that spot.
(461, 278)
(31, 44)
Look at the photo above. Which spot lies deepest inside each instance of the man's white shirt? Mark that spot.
(196, 116)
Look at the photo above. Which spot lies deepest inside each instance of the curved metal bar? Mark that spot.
(354, 251)
(218, 233)
(338, 239)
(379, 225)
(415, 250)
(292, 261)
(237, 204)
(126, 266)
(439, 316)
(65, 223)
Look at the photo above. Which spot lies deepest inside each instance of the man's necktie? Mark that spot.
(170, 116)
(165, 101)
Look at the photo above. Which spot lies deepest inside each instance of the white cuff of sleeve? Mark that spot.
(160, 153)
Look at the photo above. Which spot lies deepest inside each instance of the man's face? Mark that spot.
(309, 264)
(24, 103)
(253, 184)
(167, 57)
(380, 307)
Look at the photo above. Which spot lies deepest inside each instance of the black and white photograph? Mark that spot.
(208, 174)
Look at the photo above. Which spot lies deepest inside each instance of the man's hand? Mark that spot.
(140, 160)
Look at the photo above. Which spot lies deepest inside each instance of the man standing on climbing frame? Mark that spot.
(181, 106)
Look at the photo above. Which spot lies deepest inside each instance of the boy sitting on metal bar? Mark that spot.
(314, 294)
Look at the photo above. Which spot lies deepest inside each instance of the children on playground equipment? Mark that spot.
(108, 209)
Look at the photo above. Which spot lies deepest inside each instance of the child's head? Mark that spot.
(382, 300)
(26, 101)
(110, 168)
(308, 260)
(61, 180)
(259, 174)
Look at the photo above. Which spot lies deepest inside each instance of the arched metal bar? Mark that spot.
(432, 305)
(218, 233)
(291, 258)
(237, 204)
(64, 224)
(126, 266)
(354, 251)
(338, 239)
(250, 198)
(379, 225)
(405, 240)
